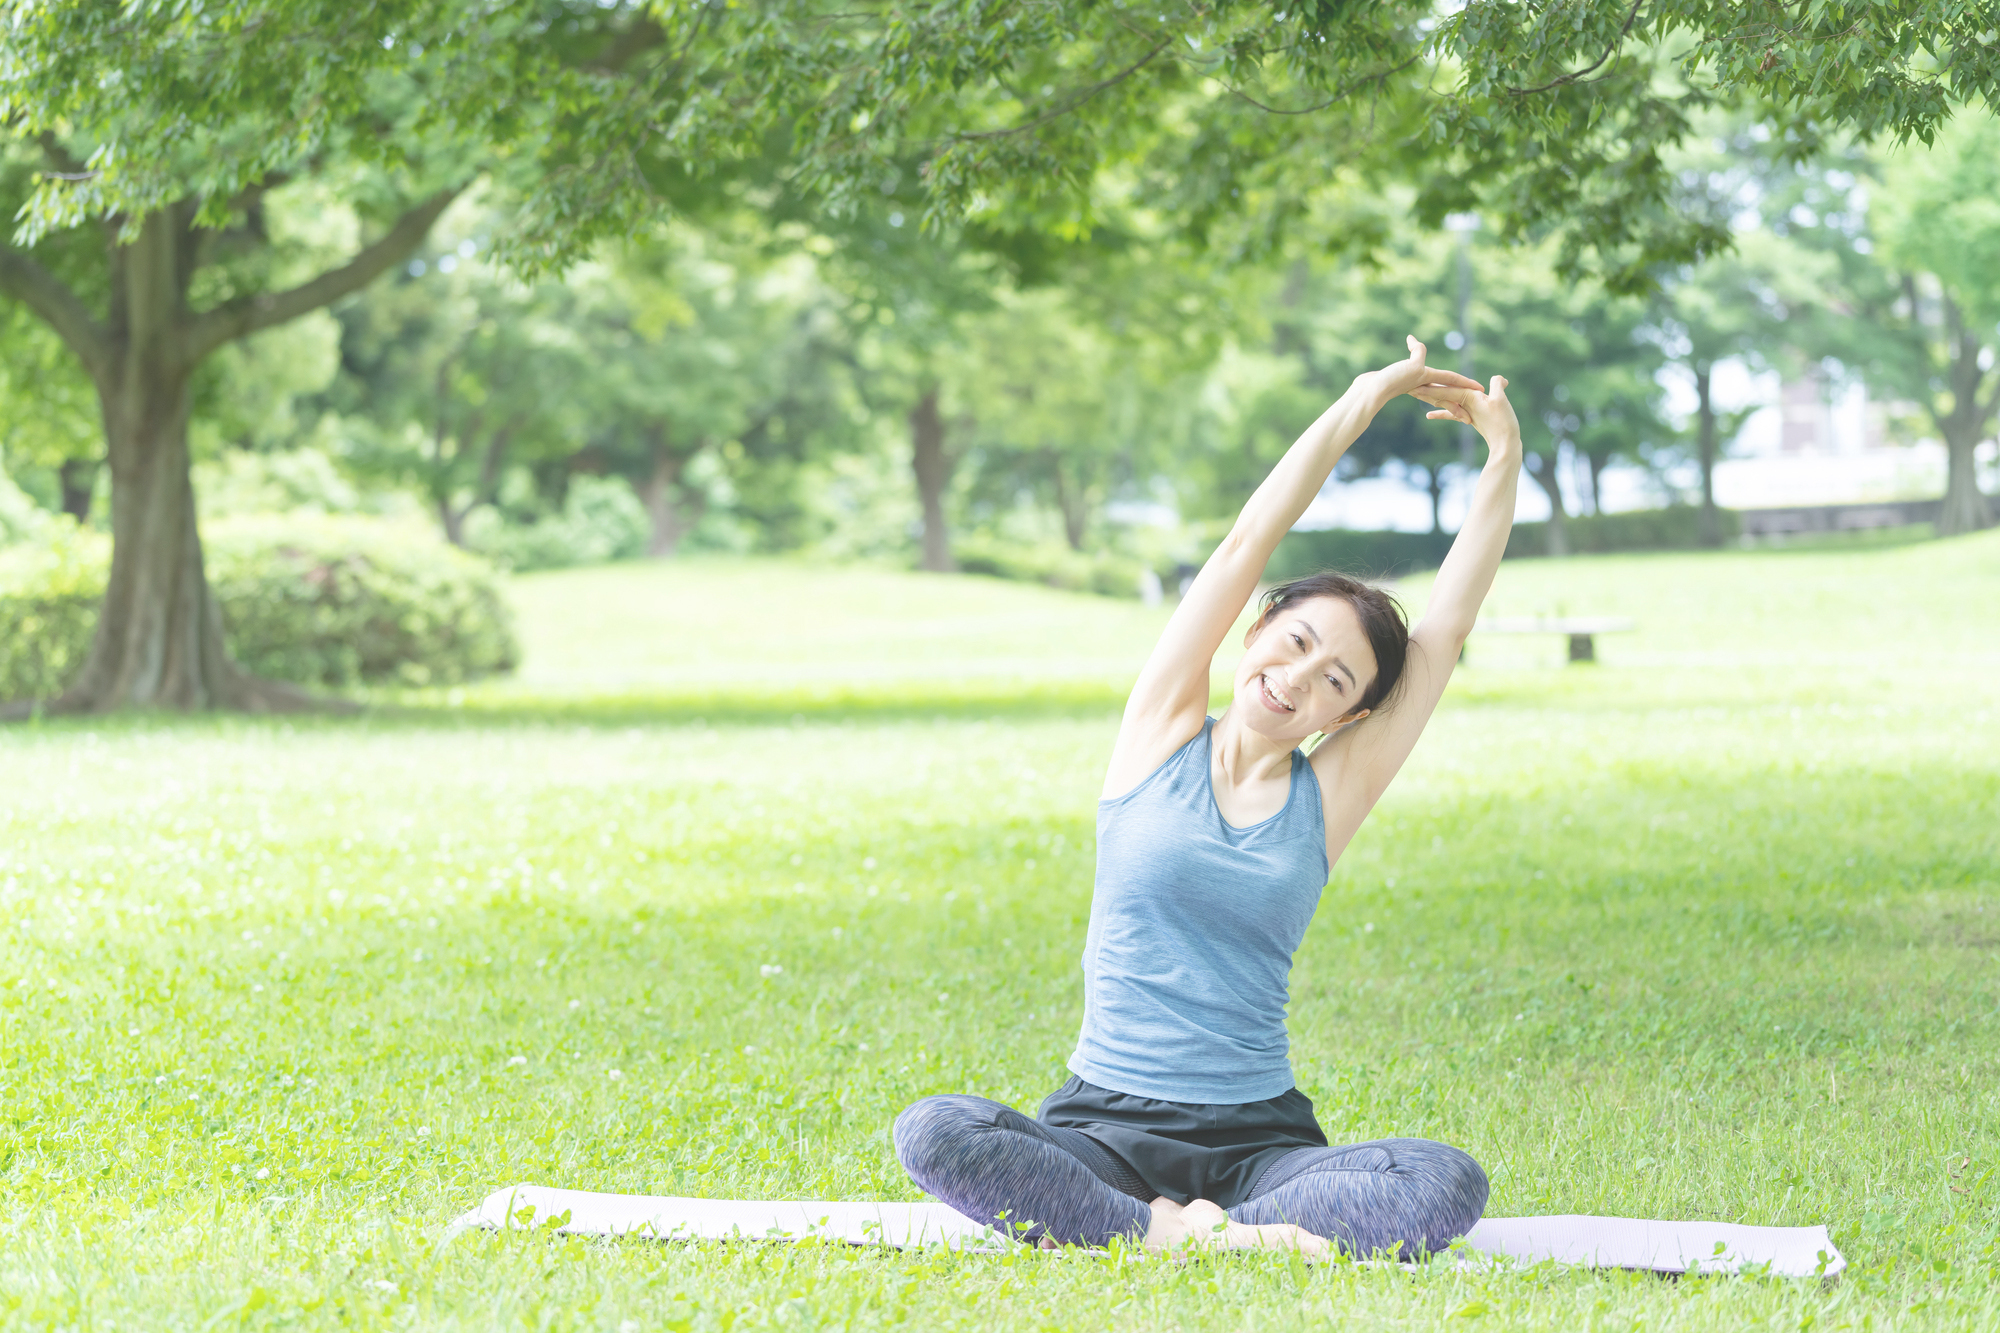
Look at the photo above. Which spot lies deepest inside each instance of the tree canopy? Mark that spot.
(148, 154)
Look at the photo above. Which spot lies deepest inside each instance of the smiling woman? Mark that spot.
(1181, 1124)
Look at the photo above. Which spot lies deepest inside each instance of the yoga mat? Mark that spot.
(1587, 1242)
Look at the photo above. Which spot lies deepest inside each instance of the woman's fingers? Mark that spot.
(1439, 375)
(1446, 393)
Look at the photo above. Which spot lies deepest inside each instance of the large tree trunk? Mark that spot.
(1707, 444)
(78, 477)
(159, 634)
(1434, 483)
(1070, 502)
(932, 466)
(1543, 468)
(659, 492)
(1965, 506)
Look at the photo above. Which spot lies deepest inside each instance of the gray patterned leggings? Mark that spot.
(993, 1164)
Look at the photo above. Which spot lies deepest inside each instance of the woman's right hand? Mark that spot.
(1486, 411)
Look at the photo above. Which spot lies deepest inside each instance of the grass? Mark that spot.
(1708, 930)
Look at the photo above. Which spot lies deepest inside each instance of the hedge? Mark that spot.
(1675, 528)
(319, 600)
(1054, 565)
(1393, 554)
(1372, 555)
(49, 593)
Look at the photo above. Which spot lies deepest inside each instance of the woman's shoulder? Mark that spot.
(1138, 763)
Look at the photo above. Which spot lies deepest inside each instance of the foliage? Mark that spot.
(350, 601)
(1355, 552)
(1232, 122)
(50, 588)
(1674, 528)
(1054, 564)
(1395, 554)
(1660, 942)
(315, 600)
(48, 412)
(20, 517)
(722, 362)
(600, 520)
(454, 374)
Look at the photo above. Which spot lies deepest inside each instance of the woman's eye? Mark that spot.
(1298, 641)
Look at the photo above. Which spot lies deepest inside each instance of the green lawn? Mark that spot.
(1710, 929)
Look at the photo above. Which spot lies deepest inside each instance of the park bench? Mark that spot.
(1582, 630)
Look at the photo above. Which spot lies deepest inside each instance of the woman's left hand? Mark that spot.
(1410, 374)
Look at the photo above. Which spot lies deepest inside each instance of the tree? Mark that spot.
(49, 427)
(1040, 392)
(460, 372)
(145, 246)
(1939, 238)
(1337, 319)
(906, 296)
(1580, 375)
(702, 344)
(1235, 119)
(140, 149)
(1729, 306)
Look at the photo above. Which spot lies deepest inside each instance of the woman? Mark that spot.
(1215, 836)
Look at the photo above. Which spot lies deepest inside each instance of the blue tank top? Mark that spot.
(1187, 966)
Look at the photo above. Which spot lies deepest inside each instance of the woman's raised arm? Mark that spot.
(1356, 764)
(1170, 698)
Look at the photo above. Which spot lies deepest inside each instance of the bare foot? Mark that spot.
(1203, 1225)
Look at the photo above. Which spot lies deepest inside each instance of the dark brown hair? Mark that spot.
(1382, 620)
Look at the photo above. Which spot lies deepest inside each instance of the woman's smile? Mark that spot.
(1273, 700)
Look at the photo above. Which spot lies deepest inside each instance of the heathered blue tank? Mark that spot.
(1187, 966)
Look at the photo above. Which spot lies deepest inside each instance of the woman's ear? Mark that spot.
(1348, 719)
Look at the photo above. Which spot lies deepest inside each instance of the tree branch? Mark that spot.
(1069, 104)
(1345, 89)
(44, 293)
(250, 314)
(1574, 75)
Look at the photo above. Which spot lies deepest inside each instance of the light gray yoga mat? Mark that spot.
(1589, 1242)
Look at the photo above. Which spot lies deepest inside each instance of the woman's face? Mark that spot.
(1305, 670)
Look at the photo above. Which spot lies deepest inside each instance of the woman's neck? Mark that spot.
(1244, 755)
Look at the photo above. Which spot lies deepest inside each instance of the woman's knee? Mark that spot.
(1452, 1176)
(1410, 1196)
(932, 1133)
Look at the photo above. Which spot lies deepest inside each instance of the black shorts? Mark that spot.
(1182, 1150)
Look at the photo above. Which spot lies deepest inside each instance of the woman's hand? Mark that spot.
(1408, 375)
(1486, 411)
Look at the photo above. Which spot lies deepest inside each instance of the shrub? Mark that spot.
(1057, 566)
(316, 600)
(339, 601)
(1675, 528)
(1393, 554)
(1368, 555)
(601, 520)
(49, 593)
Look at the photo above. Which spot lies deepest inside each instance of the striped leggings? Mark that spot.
(993, 1164)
